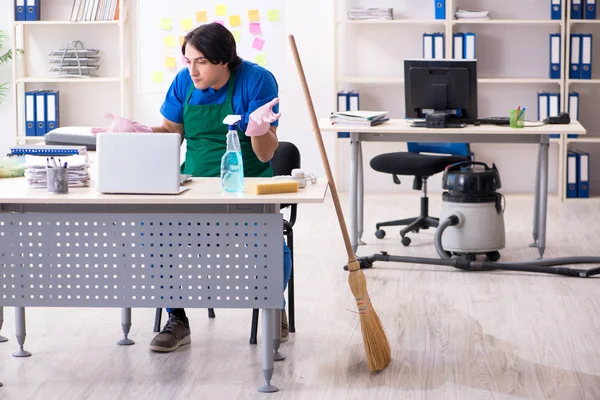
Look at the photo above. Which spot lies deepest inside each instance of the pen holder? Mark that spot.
(58, 180)
(517, 118)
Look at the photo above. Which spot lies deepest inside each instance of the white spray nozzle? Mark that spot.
(232, 119)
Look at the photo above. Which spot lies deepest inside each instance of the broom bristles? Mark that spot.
(377, 347)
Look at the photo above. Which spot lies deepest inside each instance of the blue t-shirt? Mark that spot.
(254, 86)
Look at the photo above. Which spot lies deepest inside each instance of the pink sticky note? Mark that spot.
(255, 28)
(220, 22)
(258, 44)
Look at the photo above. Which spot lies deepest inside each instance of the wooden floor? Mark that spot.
(454, 335)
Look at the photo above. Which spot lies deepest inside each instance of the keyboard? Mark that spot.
(494, 121)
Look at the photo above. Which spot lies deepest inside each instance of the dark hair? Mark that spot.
(216, 43)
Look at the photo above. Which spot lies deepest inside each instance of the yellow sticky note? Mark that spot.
(170, 62)
(169, 41)
(235, 20)
(181, 40)
(158, 77)
(201, 16)
(253, 15)
(261, 60)
(221, 10)
(273, 15)
(166, 24)
(187, 25)
(237, 35)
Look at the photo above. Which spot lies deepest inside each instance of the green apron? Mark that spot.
(206, 136)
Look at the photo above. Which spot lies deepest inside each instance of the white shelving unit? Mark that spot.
(82, 99)
(407, 27)
(570, 85)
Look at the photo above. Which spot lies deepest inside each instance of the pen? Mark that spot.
(53, 162)
(65, 166)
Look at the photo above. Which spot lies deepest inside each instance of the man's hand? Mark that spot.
(261, 119)
(121, 124)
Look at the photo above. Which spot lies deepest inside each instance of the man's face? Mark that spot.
(204, 73)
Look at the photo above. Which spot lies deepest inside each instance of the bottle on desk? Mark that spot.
(232, 166)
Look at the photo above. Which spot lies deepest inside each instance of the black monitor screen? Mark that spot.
(442, 86)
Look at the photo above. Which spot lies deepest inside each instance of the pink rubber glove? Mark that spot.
(121, 124)
(261, 119)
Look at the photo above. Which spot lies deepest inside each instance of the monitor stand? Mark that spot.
(438, 119)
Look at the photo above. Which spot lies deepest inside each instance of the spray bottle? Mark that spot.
(232, 167)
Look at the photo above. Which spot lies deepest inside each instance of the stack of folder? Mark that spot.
(581, 9)
(77, 170)
(580, 60)
(362, 118)
(357, 13)
(27, 10)
(578, 177)
(95, 10)
(470, 14)
(434, 46)
(41, 112)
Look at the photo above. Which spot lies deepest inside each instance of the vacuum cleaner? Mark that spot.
(472, 224)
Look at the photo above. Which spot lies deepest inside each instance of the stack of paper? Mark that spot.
(357, 13)
(77, 167)
(366, 118)
(470, 14)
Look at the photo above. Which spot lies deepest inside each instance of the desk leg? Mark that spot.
(20, 332)
(543, 206)
(267, 345)
(536, 201)
(360, 195)
(354, 190)
(277, 356)
(2, 338)
(126, 326)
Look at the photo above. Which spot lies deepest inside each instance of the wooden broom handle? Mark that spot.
(319, 137)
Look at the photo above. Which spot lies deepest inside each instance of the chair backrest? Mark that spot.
(454, 149)
(285, 159)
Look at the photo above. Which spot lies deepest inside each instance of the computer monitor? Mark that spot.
(444, 92)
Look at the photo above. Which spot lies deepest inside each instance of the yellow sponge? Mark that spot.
(272, 187)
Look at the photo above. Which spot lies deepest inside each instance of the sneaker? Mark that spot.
(285, 329)
(175, 333)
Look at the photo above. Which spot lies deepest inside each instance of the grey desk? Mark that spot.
(399, 130)
(202, 248)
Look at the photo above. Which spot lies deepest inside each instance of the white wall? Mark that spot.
(370, 50)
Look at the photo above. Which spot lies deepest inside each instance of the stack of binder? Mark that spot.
(41, 112)
(48, 150)
(357, 13)
(581, 9)
(77, 170)
(27, 10)
(580, 59)
(578, 178)
(463, 46)
(434, 46)
(548, 106)
(362, 118)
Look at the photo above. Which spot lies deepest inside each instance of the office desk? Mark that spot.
(202, 248)
(399, 130)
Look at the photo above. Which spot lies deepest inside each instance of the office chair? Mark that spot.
(421, 166)
(285, 159)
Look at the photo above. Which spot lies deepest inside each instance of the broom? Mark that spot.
(376, 343)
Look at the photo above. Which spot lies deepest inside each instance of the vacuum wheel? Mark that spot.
(492, 256)
(379, 233)
(406, 241)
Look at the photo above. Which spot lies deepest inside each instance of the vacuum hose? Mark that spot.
(546, 266)
(450, 221)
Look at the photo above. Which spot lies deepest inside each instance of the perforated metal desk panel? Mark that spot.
(202, 248)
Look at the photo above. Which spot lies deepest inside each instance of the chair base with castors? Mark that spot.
(423, 221)
(421, 167)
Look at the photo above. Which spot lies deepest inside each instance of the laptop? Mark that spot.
(138, 163)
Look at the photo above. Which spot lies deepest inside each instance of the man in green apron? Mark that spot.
(218, 83)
